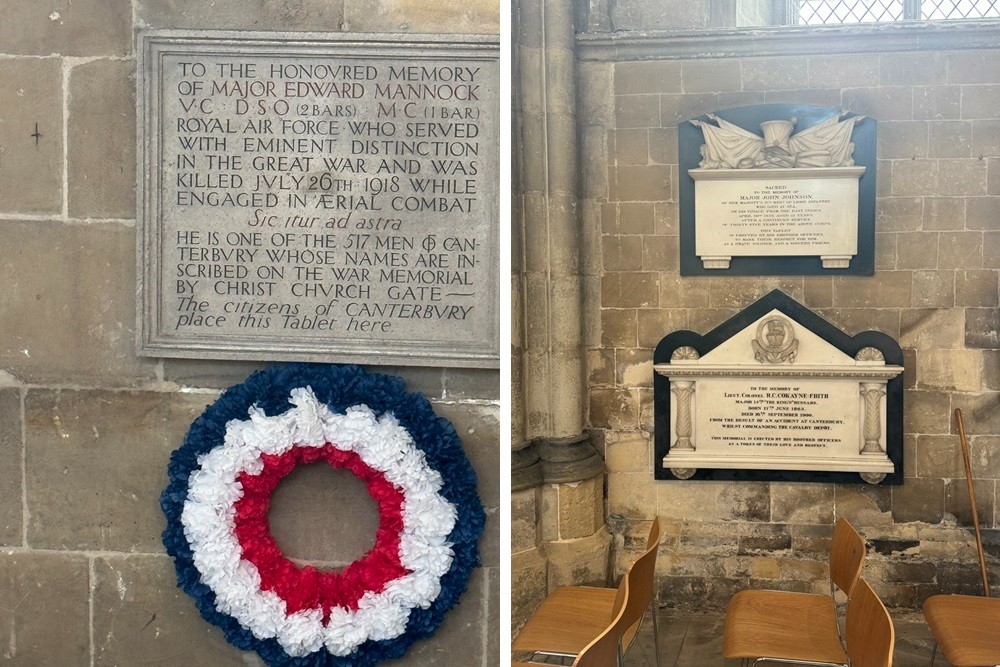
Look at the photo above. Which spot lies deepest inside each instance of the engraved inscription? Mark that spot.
(788, 418)
(328, 199)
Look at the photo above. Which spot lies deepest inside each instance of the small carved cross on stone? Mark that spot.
(37, 135)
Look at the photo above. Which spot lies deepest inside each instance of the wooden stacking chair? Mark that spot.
(605, 650)
(965, 626)
(573, 616)
(782, 626)
(870, 634)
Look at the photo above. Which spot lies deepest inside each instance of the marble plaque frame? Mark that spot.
(689, 141)
(849, 345)
(479, 351)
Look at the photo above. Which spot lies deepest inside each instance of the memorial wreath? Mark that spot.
(412, 462)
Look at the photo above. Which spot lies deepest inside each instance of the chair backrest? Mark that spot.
(603, 651)
(847, 555)
(641, 577)
(645, 591)
(870, 635)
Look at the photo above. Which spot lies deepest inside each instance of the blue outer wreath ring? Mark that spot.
(339, 388)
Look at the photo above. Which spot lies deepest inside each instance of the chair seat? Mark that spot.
(965, 627)
(568, 620)
(779, 624)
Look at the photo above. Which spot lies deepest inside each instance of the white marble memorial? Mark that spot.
(776, 396)
(777, 195)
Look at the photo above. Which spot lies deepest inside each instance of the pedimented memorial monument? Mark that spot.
(319, 197)
(796, 196)
(778, 393)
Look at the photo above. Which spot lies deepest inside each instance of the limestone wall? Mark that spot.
(935, 289)
(86, 427)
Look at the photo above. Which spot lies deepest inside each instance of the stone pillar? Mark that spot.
(557, 475)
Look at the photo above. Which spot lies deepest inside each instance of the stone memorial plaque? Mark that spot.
(797, 196)
(319, 197)
(777, 392)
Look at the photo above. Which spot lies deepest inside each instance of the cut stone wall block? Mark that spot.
(864, 505)
(937, 102)
(581, 562)
(138, 610)
(916, 250)
(960, 177)
(634, 368)
(73, 325)
(933, 289)
(459, 383)
(898, 214)
(986, 138)
(939, 456)
(909, 69)
(654, 324)
(460, 16)
(47, 623)
(618, 327)
(884, 103)
(932, 329)
(101, 140)
(524, 520)
(677, 108)
(632, 495)
(958, 370)
(950, 139)
(31, 134)
(10, 469)
(768, 74)
(982, 328)
(890, 289)
(528, 585)
(918, 500)
(914, 177)
(710, 76)
(765, 538)
(637, 111)
(630, 454)
(640, 183)
(956, 501)
(927, 412)
(479, 428)
(802, 503)
(944, 213)
(981, 101)
(96, 463)
(843, 71)
(465, 631)
(902, 139)
(581, 508)
(750, 501)
(83, 28)
(659, 76)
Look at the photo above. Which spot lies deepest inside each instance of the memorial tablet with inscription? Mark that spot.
(317, 197)
(778, 393)
(777, 189)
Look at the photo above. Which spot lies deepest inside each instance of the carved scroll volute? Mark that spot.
(872, 393)
(684, 391)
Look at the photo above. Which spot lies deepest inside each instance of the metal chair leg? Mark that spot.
(656, 635)
(934, 653)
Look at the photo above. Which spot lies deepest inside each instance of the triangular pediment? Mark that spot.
(803, 346)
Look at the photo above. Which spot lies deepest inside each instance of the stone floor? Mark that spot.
(695, 639)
